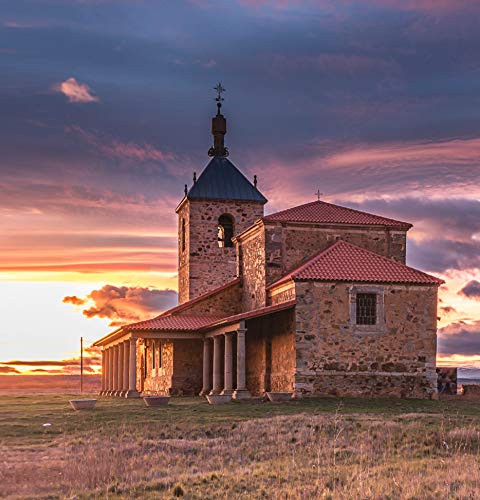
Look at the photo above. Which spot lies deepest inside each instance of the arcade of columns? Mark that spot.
(119, 370)
(119, 363)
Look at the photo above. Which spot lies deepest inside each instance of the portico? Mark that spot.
(223, 361)
(222, 381)
(119, 361)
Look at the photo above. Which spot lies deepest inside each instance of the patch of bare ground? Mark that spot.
(324, 448)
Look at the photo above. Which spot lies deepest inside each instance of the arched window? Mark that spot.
(183, 235)
(225, 231)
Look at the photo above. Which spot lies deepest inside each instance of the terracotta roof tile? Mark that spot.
(175, 323)
(327, 213)
(343, 261)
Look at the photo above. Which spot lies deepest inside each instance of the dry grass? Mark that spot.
(324, 448)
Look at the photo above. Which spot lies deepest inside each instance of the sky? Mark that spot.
(105, 115)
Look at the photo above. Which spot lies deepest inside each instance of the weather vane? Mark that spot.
(220, 90)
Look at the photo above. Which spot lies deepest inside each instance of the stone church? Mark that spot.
(313, 300)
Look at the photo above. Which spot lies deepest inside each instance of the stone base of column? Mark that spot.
(118, 394)
(227, 392)
(241, 394)
(122, 394)
(204, 392)
(214, 392)
(132, 394)
(108, 393)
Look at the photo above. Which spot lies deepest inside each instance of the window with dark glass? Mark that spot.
(366, 308)
(225, 231)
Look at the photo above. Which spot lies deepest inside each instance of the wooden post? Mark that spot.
(81, 365)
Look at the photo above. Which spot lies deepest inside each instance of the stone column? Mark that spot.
(110, 371)
(207, 366)
(126, 364)
(115, 370)
(132, 376)
(120, 370)
(241, 392)
(102, 391)
(217, 365)
(228, 365)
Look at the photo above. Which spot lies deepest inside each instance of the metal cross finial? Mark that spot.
(318, 193)
(220, 90)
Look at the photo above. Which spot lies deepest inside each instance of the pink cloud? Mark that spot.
(117, 149)
(75, 91)
(429, 6)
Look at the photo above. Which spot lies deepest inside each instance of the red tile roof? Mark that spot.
(174, 323)
(343, 261)
(327, 213)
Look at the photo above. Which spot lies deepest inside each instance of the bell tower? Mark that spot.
(221, 203)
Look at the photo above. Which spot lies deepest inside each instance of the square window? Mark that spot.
(366, 309)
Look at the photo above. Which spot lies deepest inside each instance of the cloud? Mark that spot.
(72, 299)
(444, 230)
(448, 309)
(75, 91)
(113, 148)
(459, 338)
(125, 304)
(471, 290)
(8, 369)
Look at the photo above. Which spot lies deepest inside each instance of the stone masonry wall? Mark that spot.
(159, 380)
(289, 246)
(187, 367)
(334, 356)
(227, 302)
(270, 353)
(252, 270)
(181, 370)
(204, 265)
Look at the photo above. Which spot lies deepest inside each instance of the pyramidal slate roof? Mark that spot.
(221, 180)
(343, 261)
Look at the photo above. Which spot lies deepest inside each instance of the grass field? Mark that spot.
(323, 448)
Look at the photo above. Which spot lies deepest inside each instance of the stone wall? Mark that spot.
(204, 265)
(187, 376)
(280, 294)
(159, 380)
(334, 356)
(270, 353)
(226, 302)
(181, 370)
(251, 255)
(288, 246)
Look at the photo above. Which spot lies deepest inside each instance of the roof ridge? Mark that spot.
(323, 253)
(395, 222)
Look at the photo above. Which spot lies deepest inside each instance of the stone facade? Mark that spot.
(270, 250)
(202, 264)
(270, 349)
(180, 372)
(395, 357)
(225, 302)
